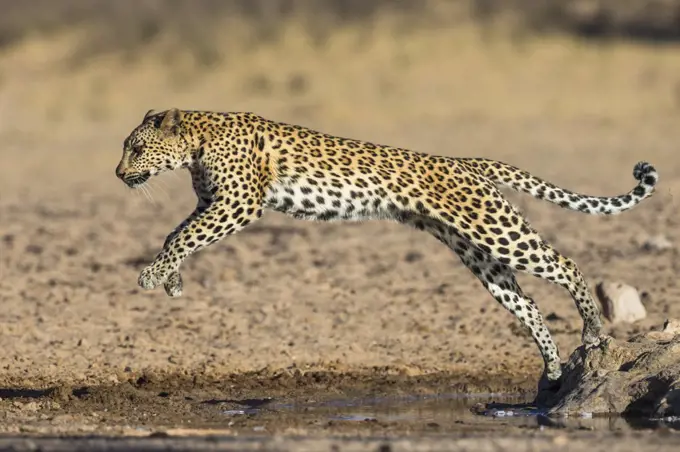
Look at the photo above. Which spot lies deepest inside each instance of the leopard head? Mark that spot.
(155, 146)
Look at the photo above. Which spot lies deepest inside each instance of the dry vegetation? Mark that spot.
(100, 60)
(128, 25)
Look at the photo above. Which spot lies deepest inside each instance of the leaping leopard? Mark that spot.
(242, 164)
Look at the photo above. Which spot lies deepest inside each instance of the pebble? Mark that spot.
(671, 326)
(654, 243)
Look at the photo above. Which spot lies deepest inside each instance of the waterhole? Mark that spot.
(449, 411)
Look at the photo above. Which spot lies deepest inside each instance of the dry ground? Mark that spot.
(293, 309)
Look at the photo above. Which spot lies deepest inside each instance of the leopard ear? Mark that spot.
(149, 113)
(171, 121)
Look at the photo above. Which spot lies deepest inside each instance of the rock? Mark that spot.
(640, 377)
(620, 302)
(654, 243)
(671, 326)
(553, 317)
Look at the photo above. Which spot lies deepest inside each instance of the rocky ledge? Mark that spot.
(640, 377)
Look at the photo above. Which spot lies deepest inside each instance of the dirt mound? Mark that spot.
(640, 377)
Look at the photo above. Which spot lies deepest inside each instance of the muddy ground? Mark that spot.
(293, 313)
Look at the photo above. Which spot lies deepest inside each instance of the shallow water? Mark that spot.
(482, 410)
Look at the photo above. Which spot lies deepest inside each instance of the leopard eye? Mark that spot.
(136, 150)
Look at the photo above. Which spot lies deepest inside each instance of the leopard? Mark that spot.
(242, 164)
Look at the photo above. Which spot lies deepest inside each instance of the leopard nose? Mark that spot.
(120, 172)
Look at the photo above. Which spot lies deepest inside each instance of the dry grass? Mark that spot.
(129, 26)
(463, 73)
(327, 64)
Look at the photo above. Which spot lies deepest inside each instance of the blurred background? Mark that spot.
(576, 91)
(77, 68)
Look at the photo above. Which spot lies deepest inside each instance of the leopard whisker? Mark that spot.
(158, 188)
(145, 190)
(160, 185)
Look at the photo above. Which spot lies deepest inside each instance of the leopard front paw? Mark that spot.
(173, 286)
(151, 277)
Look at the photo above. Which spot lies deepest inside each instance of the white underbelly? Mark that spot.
(327, 204)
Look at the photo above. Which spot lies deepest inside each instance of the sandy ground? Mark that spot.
(296, 310)
(556, 442)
